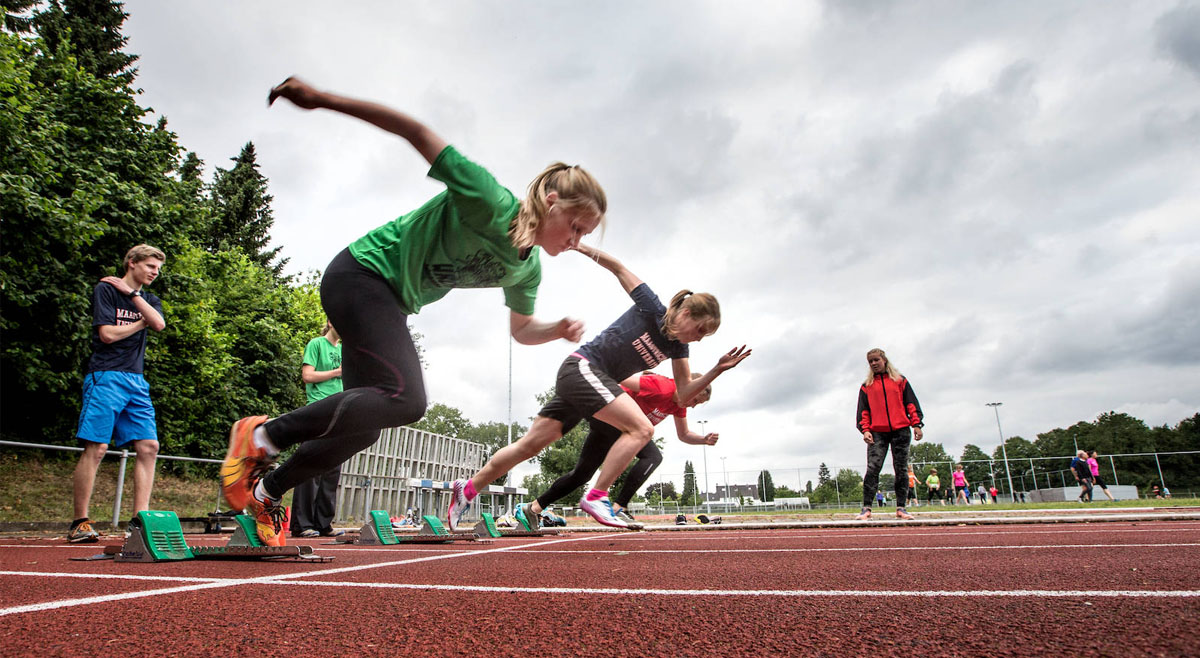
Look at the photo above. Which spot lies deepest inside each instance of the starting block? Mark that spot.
(487, 526)
(157, 536)
(378, 532)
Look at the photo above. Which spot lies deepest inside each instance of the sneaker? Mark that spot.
(507, 521)
(902, 513)
(244, 463)
(680, 519)
(308, 534)
(332, 532)
(83, 533)
(601, 510)
(552, 520)
(458, 505)
(625, 516)
(269, 520)
(526, 518)
(864, 515)
(702, 518)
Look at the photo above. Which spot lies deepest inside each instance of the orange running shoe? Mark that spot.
(243, 463)
(269, 518)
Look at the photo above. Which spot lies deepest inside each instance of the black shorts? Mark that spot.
(579, 392)
(1099, 482)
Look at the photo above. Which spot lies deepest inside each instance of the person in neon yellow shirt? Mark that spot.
(934, 484)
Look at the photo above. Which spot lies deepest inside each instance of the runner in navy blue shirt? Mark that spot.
(587, 385)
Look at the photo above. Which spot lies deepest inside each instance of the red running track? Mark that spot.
(1127, 589)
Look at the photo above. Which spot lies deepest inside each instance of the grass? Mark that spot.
(38, 490)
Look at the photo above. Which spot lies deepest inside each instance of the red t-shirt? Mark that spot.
(657, 398)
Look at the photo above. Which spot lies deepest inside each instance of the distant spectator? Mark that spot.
(1097, 481)
(993, 491)
(1154, 492)
(1083, 476)
(314, 501)
(982, 491)
(962, 488)
(934, 485)
(879, 499)
(1166, 492)
(912, 488)
(1022, 496)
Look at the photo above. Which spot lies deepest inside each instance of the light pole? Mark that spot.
(704, 423)
(726, 473)
(1003, 450)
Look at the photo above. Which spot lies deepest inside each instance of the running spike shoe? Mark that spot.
(601, 510)
(526, 517)
(458, 505)
(244, 463)
(269, 520)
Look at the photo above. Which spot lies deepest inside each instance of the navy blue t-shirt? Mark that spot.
(113, 308)
(635, 341)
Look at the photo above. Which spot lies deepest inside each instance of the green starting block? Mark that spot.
(487, 526)
(157, 536)
(378, 532)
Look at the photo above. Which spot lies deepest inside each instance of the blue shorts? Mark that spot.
(116, 409)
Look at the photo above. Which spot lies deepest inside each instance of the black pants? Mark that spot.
(601, 437)
(381, 375)
(314, 503)
(898, 441)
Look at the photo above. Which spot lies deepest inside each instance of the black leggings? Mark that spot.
(381, 376)
(601, 437)
(898, 441)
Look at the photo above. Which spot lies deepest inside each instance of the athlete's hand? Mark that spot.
(732, 358)
(298, 92)
(710, 439)
(918, 433)
(867, 438)
(118, 283)
(570, 329)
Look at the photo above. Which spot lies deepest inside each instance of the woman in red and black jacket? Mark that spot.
(887, 409)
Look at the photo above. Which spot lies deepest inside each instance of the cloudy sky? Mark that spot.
(1003, 196)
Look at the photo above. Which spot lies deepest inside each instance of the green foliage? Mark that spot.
(766, 486)
(822, 474)
(976, 466)
(241, 213)
(691, 494)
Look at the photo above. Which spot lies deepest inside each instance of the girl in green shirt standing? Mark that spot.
(476, 234)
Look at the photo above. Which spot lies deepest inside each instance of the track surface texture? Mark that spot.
(1080, 589)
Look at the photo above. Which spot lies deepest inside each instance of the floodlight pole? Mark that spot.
(1003, 450)
(703, 423)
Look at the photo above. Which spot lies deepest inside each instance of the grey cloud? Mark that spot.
(1177, 35)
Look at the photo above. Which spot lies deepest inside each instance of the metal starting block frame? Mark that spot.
(157, 536)
(378, 532)
(487, 526)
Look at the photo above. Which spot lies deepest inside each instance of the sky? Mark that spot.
(1003, 196)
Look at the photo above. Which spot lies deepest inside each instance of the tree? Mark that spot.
(445, 420)
(241, 212)
(690, 496)
(90, 30)
(976, 465)
(766, 486)
(850, 484)
(808, 489)
(782, 491)
(822, 474)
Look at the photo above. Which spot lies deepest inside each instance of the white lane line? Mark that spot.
(70, 603)
(757, 592)
(783, 534)
(866, 549)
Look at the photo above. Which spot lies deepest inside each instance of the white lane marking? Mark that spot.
(69, 603)
(865, 548)
(756, 592)
(783, 534)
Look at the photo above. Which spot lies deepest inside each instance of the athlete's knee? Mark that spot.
(93, 452)
(652, 460)
(146, 449)
(643, 434)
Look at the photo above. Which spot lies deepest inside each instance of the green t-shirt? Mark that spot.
(323, 356)
(932, 481)
(459, 239)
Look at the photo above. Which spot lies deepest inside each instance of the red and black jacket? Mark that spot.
(888, 405)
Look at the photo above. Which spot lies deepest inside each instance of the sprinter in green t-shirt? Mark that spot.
(476, 234)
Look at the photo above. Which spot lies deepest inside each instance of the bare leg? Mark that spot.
(542, 433)
(84, 478)
(636, 431)
(143, 473)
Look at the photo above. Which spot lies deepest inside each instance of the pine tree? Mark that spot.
(241, 212)
(91, 31)
(766, 487)
(690, 495)
(822, 474)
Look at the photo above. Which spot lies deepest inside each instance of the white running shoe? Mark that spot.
(601, 510)
(458, 505)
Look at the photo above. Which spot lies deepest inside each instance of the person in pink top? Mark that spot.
(961, 486)
(1094, 467)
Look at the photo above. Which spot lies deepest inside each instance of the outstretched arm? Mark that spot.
(687, 388)
(528, 330)
(628, 279)
(692, 438)
(427, 142)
